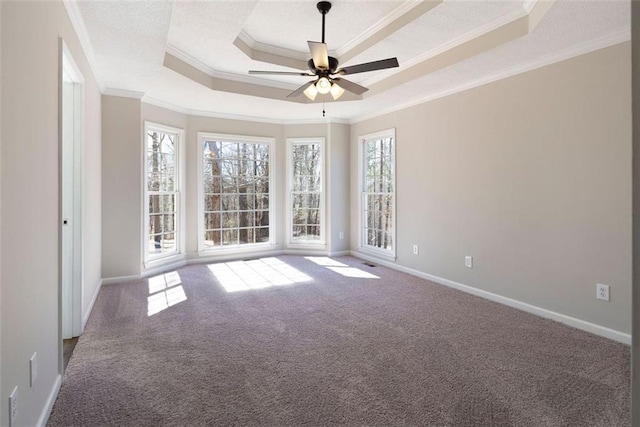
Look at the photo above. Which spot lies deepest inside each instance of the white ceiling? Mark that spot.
(442, 46)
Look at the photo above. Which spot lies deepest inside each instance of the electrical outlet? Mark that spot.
(33, 369)
(13, 407)
(415, 249)
(602, 292)
(468, 261)
(341, 235)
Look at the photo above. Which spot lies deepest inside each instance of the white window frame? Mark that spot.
(248, 247)
(306, 244)
(362, 244)
(153, 260)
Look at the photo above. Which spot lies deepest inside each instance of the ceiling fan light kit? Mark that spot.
(311, 92)
(325, 69)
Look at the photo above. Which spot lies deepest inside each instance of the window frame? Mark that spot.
(362, 244)
(306, 244)
(247, 247)
(154, 260)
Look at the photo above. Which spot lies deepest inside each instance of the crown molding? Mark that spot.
(581, 49)
(453, 43)
(378, 26)
(190, 60)
(123, 93)
(270, 49)
(201, 113)
(397, 19)
(83, 36)
(528, 5)
(185, 57)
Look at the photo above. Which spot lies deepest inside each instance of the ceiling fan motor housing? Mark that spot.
(324, 6)
(333, 66)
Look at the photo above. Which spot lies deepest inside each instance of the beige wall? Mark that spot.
(30, 209)
(2, 410)
(531, 176)
(121, 186)
(635, 352)
(92, 189)
(339, 184)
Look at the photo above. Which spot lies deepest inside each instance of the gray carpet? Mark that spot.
(330, 349)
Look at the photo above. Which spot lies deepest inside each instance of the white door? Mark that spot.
(67, 210)
(71, 177)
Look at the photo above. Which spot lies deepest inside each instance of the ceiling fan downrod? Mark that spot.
(323, 7)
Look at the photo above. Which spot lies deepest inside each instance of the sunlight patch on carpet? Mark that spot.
(325, 261)
(165, 291)
(340, 268)
(256, 274)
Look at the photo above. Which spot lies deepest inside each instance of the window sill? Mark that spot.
(383, 255)
(162, 261)
(319, 246)
(256, 248)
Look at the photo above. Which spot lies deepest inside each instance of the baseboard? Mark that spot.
(120, 279)
(85, 317)
(305, 252)
(46, 411)
(542, 312)
(339, 253)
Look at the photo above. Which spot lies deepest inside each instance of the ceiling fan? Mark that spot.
(325, 69)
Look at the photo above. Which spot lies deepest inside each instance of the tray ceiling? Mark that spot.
(194, 56)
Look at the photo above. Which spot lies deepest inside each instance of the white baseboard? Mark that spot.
(120, 279)
(85, 317)
(46, 411)
(542, 312)
(339, 253)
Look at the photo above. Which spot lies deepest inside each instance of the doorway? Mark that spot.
(71, 204)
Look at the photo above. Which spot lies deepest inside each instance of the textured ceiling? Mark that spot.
(442, 46)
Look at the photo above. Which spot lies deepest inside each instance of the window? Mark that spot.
(377, 183)
(236, 190)
(305, 199)
(162, 192)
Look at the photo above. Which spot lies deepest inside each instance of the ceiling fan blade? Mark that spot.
(351, 86)
(319, 54)
(281, 73)
(370, 66)
(300, 89)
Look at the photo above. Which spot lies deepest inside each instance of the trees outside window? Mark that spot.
(162, 191)
(378, 192)
(306, 191)
(235, 191)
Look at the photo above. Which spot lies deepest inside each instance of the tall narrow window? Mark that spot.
(162, 198)
(305, 181)
(378, 193)
(236, 188)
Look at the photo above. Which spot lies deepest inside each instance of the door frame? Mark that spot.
(70, 294)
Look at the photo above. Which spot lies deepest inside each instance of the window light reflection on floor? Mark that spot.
(325, 261)
(165, 291)
(340, 268)
(256, 274)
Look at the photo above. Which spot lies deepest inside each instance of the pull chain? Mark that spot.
(323, 106)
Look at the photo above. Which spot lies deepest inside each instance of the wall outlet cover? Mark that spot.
(602, 292)
(468, 261)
